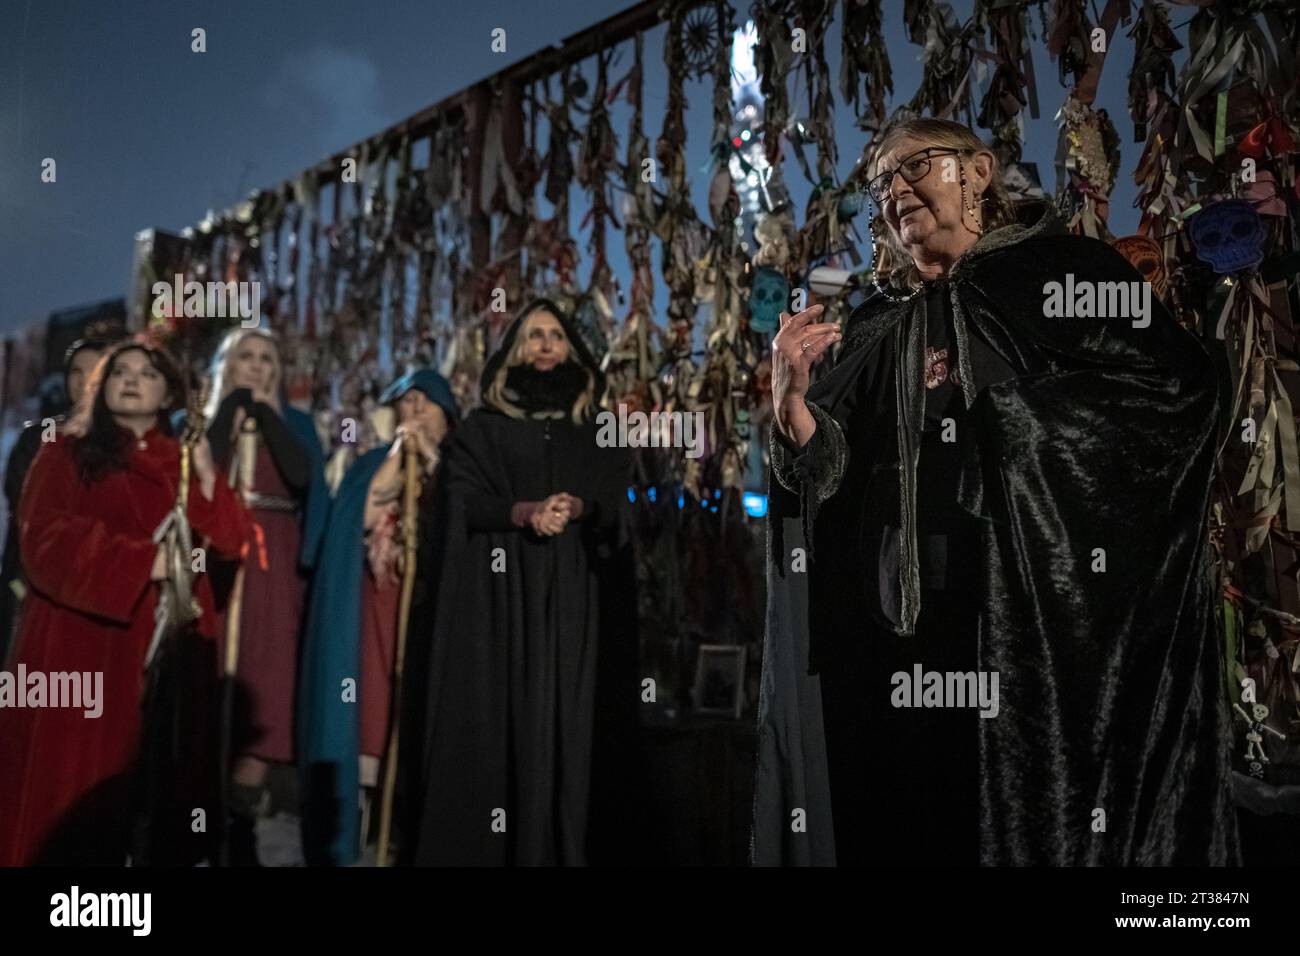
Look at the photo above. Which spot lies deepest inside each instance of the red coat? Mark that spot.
(88, 553)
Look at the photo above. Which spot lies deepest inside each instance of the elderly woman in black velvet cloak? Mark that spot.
(982, 487)
(532, 601)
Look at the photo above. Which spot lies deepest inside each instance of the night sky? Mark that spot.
(147, 133)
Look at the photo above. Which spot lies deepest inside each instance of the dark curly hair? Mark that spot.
(100, 444)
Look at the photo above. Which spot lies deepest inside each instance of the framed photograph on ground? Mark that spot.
(720, 680)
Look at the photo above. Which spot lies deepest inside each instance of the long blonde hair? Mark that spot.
(225, 354)
(495, 393)
(998, 209)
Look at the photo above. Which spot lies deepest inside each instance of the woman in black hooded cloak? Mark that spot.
(535, 561)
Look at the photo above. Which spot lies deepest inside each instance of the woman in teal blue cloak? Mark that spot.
(344, 682)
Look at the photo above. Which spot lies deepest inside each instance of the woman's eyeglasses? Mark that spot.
(913, 169)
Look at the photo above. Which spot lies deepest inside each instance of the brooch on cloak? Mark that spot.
(936, 367)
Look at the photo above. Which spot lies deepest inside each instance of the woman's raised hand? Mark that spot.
(800, 342)
(408, 434)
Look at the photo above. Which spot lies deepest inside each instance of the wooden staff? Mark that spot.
(165, 677)
(177, 606)
(244, 462)
(410, 515)
(241, 475)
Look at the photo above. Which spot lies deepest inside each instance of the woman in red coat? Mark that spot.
(90, 506)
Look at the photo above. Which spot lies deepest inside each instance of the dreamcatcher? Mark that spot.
(700, 39)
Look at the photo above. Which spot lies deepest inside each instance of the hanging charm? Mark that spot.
(1087, 161)
(700, 42)
(1229, 236)
(1145, 255)
(1255, 720)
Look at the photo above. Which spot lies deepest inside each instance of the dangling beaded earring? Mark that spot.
(966, 204)
(875, 278)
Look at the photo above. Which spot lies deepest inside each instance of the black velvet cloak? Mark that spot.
(533, 667)
(1110, 680)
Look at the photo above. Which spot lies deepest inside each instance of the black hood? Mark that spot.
(578, 350)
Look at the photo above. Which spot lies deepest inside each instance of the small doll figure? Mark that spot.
(1254, 740)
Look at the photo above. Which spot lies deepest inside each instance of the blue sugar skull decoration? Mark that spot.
(1229, 236)
(768, 296)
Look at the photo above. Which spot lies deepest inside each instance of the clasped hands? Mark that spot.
(553, 515)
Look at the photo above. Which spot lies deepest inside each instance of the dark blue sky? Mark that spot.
(147, 133)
